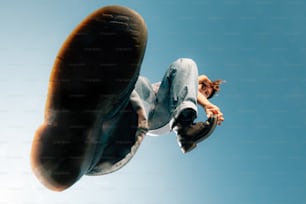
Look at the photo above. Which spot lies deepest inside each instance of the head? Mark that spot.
(210, 88)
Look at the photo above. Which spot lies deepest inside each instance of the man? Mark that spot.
(172, 104)
(89, 126)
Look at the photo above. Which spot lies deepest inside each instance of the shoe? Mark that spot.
(95, 70)
(189, 136)
(185, 118)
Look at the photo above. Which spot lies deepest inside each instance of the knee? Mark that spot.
(185, 65)
(185, 60)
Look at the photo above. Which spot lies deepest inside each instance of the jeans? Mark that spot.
(177, 91)
(162, 104)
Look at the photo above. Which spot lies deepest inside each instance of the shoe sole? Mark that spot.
(95, 70)
(212, 120)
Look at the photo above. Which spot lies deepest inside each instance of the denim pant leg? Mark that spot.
(178, 91)
(143, 96)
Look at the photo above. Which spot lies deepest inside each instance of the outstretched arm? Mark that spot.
(203, 93)
(210, 108)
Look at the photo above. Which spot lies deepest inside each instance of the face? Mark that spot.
(205, 90)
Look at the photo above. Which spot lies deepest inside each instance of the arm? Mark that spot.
(202, 100)
(209, 108)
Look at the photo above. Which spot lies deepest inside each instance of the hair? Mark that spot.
(215, 86)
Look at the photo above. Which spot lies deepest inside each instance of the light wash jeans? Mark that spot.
(178, 90)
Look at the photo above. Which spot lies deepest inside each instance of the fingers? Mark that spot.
(209, 114)
(220, 118)
(219, 115)
(214, 110)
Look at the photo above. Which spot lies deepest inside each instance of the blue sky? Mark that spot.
(257, 156)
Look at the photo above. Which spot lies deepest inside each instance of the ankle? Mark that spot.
(186, 117)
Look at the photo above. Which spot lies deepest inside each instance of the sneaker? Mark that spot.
(95, 70)
(189, 136)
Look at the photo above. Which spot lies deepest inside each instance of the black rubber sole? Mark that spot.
(95, 69)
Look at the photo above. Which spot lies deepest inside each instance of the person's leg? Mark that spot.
(177, 102)
(143, 96)
(184, 89)
(177, 93)
(142, 118)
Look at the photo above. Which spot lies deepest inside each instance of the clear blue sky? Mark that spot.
(258, 155)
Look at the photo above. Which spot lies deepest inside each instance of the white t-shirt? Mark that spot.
(160, 131)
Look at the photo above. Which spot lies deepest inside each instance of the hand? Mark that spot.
(212, 109)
